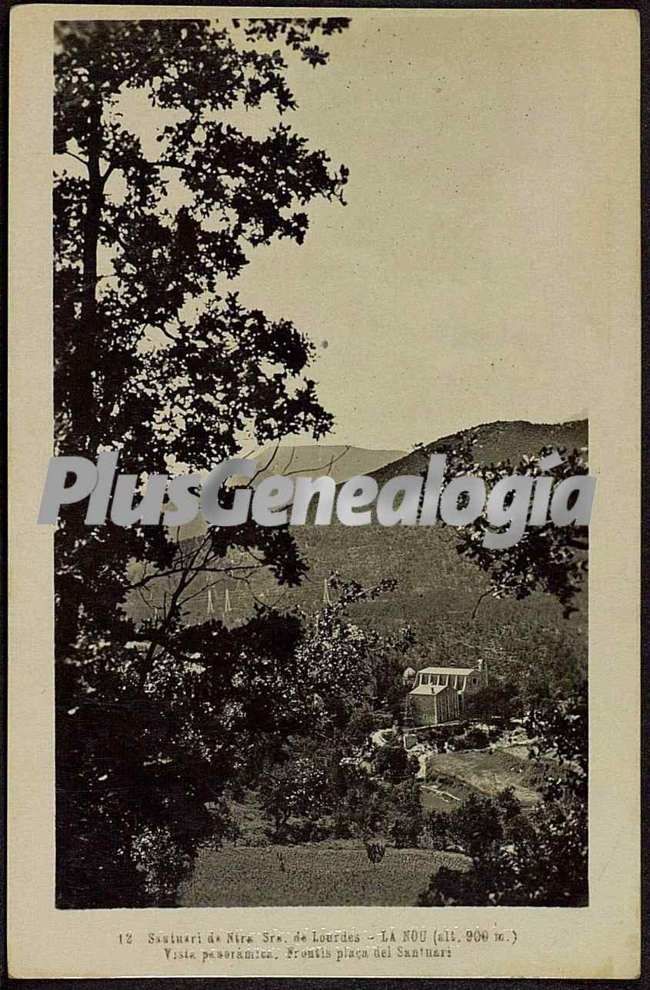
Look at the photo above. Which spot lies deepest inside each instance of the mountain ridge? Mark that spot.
(501, 440)
(436, 589)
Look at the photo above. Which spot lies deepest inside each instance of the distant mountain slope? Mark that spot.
(437, 590)
(340, 462)
(498, 441)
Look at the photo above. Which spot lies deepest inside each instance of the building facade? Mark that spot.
(439, 692)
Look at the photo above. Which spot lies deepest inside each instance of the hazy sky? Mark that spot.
(467, 277)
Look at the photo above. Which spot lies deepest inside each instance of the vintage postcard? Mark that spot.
(324, 365)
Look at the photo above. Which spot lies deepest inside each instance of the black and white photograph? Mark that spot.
(325, 714)
(340, 378)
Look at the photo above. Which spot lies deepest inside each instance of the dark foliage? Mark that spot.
(394, 764)
(153, 358)
(496, 699)
(547, 558)
(536, 859)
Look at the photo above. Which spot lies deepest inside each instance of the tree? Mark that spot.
(476, 827)
(394, 764)
(436, 832)
(500, 699)
(339, 662)
(407, 817)
(508, 804)
(295, 789)
(367, 807)
(540, 858)
(319, 690)
(547, 558)
(540, 861)
(558, 729)
(152, 358)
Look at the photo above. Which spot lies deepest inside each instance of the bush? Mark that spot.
(382, 720)
(307, 830)
(436, 831)
(405, 832)
(295, 789)
(341, 826)
(361, 724)
(375, 851)
(367, 810)
(394, 764)
(494, 699)
(406, 818)
(543, 862)
(474, 738)
(162, 863)
(509, 806)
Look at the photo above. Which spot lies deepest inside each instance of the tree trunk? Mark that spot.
(87, 415)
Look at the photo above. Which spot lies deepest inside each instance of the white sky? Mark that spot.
(467, 277)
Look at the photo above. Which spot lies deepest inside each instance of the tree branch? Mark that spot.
(83, 161)
(479, 600)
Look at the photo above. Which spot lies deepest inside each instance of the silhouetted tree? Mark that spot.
(407, 817)
(548, 558)
(153, 358)
(394, 764)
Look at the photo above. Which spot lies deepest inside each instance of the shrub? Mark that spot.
(295, 789)
(341, 826)
(436, 833)
(394, 764)
(494, 699)
(162, 863)
(474, 738)
(404, 832)
(406, 818)
(375, 851)
(543, 862)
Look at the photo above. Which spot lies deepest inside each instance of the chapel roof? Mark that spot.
(448, 670)
(429, 689)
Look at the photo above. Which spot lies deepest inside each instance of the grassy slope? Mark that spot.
(313, 875)
(488, 772)
(337, 871)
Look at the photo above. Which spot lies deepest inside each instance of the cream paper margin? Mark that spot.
(601, 941)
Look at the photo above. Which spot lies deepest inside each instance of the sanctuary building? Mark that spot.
(439, 692)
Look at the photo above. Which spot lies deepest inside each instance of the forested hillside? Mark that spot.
(437, 591)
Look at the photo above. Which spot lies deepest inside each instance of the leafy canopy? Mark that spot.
(153, 356)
